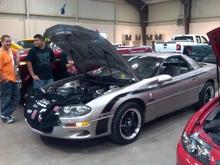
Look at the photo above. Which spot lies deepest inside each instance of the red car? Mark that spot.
(200, 141)
(131, 50)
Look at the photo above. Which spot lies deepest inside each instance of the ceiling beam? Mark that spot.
(187, 14)
(142, 8)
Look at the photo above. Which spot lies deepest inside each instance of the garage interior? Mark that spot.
(125, 22)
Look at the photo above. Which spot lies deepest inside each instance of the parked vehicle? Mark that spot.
(111, 96)
(200, 53)
(26, 43)
(179, 41)
(200, 140)
(132, 50)
(199, 143)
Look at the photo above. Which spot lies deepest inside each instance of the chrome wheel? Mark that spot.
(130, 124)
(209, 94)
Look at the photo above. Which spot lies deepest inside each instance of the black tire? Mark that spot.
(207, 93)
(127, 123)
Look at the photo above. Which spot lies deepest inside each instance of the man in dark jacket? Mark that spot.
(40, 59)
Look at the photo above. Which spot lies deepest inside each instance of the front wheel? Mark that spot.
(207, 94)
(127, 123)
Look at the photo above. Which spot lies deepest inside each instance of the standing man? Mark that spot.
(40, 59)
(10, 93)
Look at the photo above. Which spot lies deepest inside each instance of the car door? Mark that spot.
(178, 92)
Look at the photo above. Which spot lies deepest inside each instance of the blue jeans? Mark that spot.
(40, 83)
(10, 97)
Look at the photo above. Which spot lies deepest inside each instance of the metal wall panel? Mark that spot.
(205, 8)
(166, 11)
(13, 26)
(99, 10)
(126, 12)
(12, 6)
(51, 7)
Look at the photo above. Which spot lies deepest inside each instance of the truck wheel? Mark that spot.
(127, 123)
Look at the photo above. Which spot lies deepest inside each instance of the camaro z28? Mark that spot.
(114, 95)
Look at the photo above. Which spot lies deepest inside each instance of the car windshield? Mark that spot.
(26, 44)
(144, 67)
(105, 71)
(184, 38)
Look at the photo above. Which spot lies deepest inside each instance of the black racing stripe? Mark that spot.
(109, 106)
(178, 81)
(102, 126)
(143, 90)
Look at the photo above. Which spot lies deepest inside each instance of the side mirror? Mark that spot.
(164, 78)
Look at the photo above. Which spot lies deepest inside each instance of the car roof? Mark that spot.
(154, 54)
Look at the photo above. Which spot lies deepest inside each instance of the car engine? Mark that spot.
(212, 125)
(80, 92)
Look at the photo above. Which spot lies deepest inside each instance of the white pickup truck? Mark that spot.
(179, 41)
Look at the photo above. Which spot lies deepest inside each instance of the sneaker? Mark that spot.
(11, 117)
(7, 120)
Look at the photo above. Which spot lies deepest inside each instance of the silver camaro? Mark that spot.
(114, 95)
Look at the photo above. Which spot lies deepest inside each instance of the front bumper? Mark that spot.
(183, 158)
(64, 132)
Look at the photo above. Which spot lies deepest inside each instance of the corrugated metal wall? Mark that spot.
(96, 10)
(24, 18)
(163, 17)
(164, 12)
(12, 6)
(51, 7)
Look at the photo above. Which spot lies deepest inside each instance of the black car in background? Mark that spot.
(200, 53)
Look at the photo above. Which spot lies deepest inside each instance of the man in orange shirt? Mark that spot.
(10, 94)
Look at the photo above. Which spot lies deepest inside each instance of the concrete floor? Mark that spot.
(155, 146)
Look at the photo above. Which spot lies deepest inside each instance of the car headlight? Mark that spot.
(196, 147)
(74, 110)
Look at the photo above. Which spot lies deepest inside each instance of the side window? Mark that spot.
(183, 66)
(174, 66)
(204, 40)
(198, 39)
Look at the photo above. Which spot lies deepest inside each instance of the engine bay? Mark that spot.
(212, 125)
(83, 89)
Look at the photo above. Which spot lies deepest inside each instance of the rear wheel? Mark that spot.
(127, 123)
(207, 94)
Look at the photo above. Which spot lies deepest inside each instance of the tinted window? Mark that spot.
(184, 38)
(127, 58)
(174, 66)
(25, 44)
(204, 40)
(198, 39)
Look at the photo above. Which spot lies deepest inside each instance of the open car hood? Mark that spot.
(214, 39)
(87, 48)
